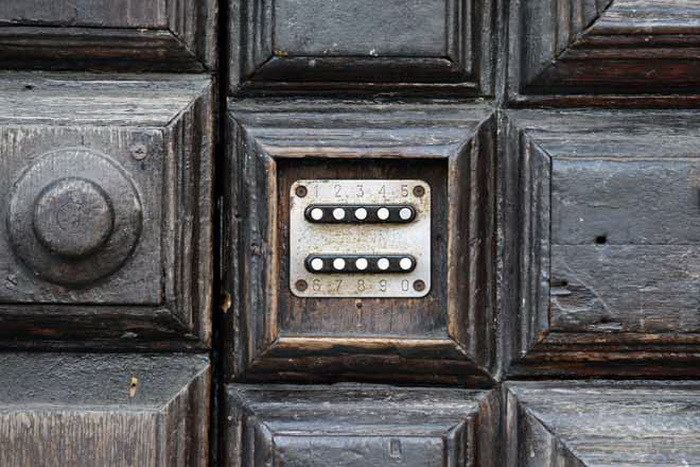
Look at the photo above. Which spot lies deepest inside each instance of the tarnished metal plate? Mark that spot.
(356, 236)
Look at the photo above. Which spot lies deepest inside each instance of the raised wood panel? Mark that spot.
(354, 426)
(601, 241)
(139, 35)
(104, 409)
(294, 46)
(107, 224)
(603, 47)
(447, 336)
(578, 424)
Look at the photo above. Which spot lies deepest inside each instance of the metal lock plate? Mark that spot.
(360, 238)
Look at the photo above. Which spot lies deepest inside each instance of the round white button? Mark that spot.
(339, 264)
(406, 263)
(383, 264)
(317, 264)
(339, 214)
(405, 213)
(317, 214)
(361, 214)
(383, 213)
(361, 264)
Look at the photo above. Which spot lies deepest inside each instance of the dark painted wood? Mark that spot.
(107, 221)
(292, 46)
(449, 336)
(143, 35)
(577, 424)
(104, 409)
(601, 242)
(603, 47)
(354, 425)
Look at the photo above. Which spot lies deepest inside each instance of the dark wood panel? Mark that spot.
(340, 28)
(568, 423)
(106, 409)
(604, 47)
(449, 336)
(119, 35)
(607, 278)
(651, 289)
(628, 201)
(416, 46)
(95, 13)
(108, 214)
(352, 425)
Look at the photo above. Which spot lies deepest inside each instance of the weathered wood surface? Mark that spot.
(120, 35)
(104, 409)
(438, 46)
(603, 47)
(355, 426)
(597, 423)
(451, 335)
(144, 139)
(611, 275)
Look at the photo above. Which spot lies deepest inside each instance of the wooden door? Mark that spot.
(349, 233)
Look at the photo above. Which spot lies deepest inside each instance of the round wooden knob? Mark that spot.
(75, 217)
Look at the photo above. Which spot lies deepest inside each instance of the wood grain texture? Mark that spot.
(106, 409)
(123, 35)
(158, 131)
(603, 47)
(415, 46)
(450, 335)
(576, 424)
(355, 425)
(598, 233)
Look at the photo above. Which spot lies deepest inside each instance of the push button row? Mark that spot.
(359, 214)
(365, 264)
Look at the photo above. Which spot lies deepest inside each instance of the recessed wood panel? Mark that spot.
(106, 409)
(418, 317)
(106, 224)
(362, 46)
(603, 47)
(157, 35)
(608, 251)
(341, 28)
(355, 425)
(612, 423)
(95, 13)
(449, 334)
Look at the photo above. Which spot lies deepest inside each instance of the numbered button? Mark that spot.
(366, 264)
(360, 214)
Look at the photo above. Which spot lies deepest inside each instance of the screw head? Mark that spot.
(301, 191)
(419, 285)
(418, 190)
(301, 285)
(139, 151)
